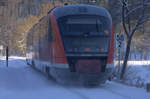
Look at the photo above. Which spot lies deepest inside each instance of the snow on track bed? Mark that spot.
(19, 81)
(104, 91)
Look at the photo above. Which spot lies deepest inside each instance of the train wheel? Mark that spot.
(110, 78)
(33, 64)
(27, 62)
(47, 70)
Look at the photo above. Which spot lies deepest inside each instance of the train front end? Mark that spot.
(87, 38)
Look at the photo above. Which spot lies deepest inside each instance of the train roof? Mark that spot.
(80, 9)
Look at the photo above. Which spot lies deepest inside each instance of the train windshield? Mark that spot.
(82, 24)
(80, 32)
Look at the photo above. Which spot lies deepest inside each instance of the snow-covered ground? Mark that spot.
(137, 73)
(19, 81)
(135, 62)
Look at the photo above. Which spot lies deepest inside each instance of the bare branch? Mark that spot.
(145, 20)
(128, 18)
(134, 28)
(142, 20)
(147, 16)
(129, 23)
(123, 19)
(121, 2)
(136, 8)
(2, 42)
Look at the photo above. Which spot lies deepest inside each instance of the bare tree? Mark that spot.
(130, 27)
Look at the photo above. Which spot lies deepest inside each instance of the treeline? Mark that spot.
(141, 39)
(17, 17)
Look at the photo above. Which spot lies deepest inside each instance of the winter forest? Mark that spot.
(18, 16)
(130, 78)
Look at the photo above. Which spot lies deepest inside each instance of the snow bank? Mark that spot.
(135, 62)
(137, 73)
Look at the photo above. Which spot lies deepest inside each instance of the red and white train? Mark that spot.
(74, 42)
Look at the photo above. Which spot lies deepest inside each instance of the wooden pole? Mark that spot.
(7, 56)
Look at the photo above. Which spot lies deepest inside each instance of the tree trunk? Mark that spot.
(134, 55)
(145, 56)
(126, 58)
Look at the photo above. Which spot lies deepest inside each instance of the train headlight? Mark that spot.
(106, 32)
(102, 49)
(87, 49)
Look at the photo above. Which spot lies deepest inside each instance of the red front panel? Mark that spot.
(88, 66)
(111, 49)
(57, 50)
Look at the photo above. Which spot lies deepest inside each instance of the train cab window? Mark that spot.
(79, 24)
(50, 33)
(91, 23)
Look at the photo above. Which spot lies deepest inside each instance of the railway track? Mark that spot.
(83, 92)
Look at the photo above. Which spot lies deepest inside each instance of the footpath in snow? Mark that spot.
(19, 81)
